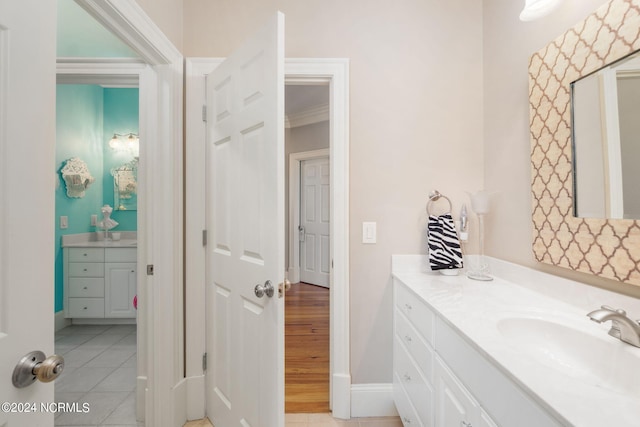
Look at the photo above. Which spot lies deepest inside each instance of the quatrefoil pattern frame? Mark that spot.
(608, 248)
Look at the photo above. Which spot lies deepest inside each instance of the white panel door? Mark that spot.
(314, 222)
(245, 218)
(27, 136)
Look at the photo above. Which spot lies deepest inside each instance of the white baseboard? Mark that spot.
(341, 396)
(293, 274)
(195, 398)
(180, 403)
(372, 400)
(60, 322)
(141, 395)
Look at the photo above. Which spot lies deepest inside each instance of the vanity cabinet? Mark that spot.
(99, 282)
(440, 380)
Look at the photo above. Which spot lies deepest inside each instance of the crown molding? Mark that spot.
(309, 116)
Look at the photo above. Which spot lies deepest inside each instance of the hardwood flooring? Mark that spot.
(306, 349)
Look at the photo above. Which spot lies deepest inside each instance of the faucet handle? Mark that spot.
(607, 307)
(621, 312)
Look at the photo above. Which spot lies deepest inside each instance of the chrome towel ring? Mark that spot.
(434, 196)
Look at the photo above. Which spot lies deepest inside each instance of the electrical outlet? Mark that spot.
(64, 222)
(94, 220)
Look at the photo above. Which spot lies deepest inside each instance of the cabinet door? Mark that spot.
(455, 406)
(120, 289)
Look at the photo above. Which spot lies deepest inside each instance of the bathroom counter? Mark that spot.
(128, 239)
(495, 319)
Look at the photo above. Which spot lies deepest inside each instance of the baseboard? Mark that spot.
(341, 396)
(141, 396)
(60, 322)
(293, 274)
(195, 398)
(180, 403)
(372, 400)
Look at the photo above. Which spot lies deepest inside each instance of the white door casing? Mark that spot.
(313, 231)
(245, 215)
(27, 129)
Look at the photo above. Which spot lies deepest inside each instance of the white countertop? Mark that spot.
(573, 394)
(128, 239)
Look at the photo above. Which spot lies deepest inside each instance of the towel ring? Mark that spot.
(434, 196)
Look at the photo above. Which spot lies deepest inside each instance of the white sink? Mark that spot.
(601, 361)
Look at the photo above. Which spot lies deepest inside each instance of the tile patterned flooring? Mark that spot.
(321, 420)
(100, 369)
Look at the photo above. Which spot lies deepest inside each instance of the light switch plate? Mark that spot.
(64, 222)
(369, 232)
(94, 220)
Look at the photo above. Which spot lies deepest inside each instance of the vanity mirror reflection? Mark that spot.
(606, 247)
(605, 128)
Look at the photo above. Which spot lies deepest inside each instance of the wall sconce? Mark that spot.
(534, 9)
(129, 144)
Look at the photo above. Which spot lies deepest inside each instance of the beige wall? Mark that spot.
(415, 123)
(167, 15)
(508, 43)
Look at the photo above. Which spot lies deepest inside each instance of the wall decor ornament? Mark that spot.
(608, 248)
(76, 177)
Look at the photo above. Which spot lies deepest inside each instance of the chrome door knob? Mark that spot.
(35, 366)
(266, 289)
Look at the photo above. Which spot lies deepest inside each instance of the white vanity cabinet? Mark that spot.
(99, 282)
(440, 380)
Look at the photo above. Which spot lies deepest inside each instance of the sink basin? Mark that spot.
(603, 362)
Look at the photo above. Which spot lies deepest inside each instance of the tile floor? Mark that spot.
(100, 369)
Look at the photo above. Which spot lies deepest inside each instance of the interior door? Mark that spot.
(27, 133)
(314, 222)
(245, 218)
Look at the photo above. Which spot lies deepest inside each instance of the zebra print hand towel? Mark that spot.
(444, 247)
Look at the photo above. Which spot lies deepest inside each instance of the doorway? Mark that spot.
(334, 74)
(96, 271)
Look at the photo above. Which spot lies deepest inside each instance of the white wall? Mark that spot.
(415, 123)
(508, 44)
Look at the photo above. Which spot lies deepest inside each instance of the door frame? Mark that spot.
(160, 243)
(295, 166)
(334, 72)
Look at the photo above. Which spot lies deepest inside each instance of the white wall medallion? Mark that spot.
(77, 177)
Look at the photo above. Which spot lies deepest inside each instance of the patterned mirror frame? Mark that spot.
(607, 248)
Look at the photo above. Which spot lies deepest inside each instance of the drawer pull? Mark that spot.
(85, 308)
(85, 288)
(408, 338)
(407, 377)
(408, 306)
(85, 254)
(406, 420)
(84, 269)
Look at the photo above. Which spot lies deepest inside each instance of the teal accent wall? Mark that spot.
(85, 115)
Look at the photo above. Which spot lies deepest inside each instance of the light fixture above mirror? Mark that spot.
(126, 142)
(534, 9)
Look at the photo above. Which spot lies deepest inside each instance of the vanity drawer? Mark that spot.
(418, 314)
(405, 409)
(120, 255)
(420, 351)
(86, 307)
(417, 387)
(86, 269)
(86, 255)
(86, 287)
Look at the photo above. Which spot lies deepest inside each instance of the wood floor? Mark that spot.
(306, 349)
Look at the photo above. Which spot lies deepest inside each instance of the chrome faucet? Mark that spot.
(622, 327)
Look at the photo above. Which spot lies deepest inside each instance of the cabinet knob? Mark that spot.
(408, 338)
(465, 424)
(407, 377)
(406, 420)
(85, 288)
(408, 306)
(85, 308)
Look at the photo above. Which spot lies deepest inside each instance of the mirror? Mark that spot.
(125, 186)
(77, 177)
(605, 109)
(604, 247)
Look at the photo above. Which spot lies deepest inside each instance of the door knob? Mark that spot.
(284, 287)
(35, 366)
(266, 289)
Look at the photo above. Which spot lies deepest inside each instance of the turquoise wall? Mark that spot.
(85, 117)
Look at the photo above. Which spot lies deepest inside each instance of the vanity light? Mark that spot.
(131, 143)
(534, 9)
